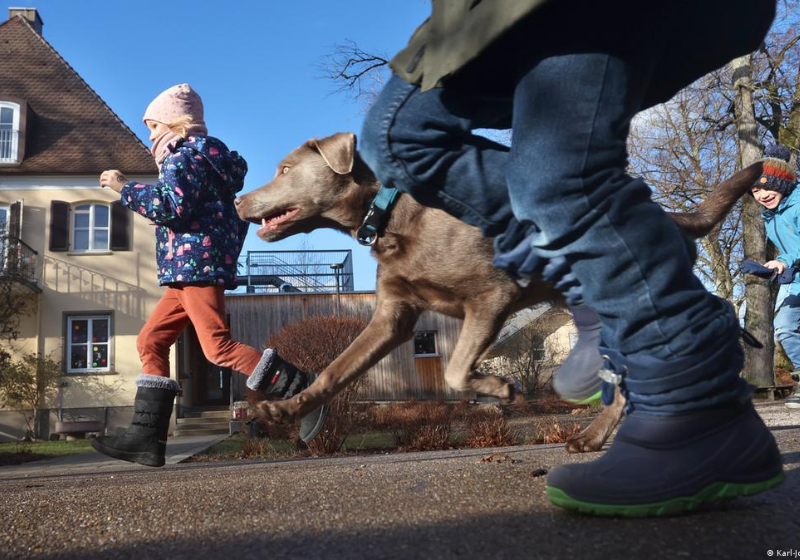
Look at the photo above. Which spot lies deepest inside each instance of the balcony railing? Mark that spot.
(8, 145)
(18, 262)
(319, 271)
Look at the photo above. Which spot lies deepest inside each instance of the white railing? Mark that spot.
(8, 145)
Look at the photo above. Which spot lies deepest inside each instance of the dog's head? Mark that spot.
(309, 190)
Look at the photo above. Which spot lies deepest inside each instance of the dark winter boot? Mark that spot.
(670, 464)
(145, 441)
(277, 378)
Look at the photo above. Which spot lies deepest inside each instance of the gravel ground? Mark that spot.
(452, 504)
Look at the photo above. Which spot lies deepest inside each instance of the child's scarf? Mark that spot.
(161, 146)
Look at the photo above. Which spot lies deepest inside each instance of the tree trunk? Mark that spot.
(760, 299)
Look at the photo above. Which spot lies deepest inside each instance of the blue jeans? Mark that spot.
(564, 181)
(787, 324)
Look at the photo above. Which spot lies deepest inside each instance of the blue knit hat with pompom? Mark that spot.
(778, 174)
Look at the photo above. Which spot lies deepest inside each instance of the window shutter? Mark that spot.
(120, 227)
(59, 226)
(15, 221)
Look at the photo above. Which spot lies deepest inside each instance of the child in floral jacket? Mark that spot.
(198, 240)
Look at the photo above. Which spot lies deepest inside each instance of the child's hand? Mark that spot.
(776, 265)
(113, 179)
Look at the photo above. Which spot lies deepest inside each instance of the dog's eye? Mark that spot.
(285, 169)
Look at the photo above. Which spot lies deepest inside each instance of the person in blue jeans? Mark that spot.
(776, 190)
(568, 77)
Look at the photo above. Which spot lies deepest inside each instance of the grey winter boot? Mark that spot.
(145, 441)
(277, 378)
(576, 380)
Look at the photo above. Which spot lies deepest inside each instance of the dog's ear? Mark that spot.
(338, 151)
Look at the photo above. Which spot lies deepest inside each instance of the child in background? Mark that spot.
(776, 191)
(198, 240)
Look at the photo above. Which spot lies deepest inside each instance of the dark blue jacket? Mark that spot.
(199, 234)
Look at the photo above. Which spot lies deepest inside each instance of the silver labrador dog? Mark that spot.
(427, 260)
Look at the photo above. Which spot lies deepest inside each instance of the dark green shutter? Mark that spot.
(59, 226)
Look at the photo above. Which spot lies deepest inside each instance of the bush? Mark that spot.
(312, 344)
(552, 430)
(416, 426)
(487, 427)
(27, 385)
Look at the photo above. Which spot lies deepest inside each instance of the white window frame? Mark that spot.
(435, 345)
(69, 344)
(16, 109)
(78, 209)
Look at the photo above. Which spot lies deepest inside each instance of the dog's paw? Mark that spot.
(273, 411)
(583, 443)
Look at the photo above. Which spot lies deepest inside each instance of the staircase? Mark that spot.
(204, 422)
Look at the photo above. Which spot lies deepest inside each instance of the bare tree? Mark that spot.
(28, 385)
(355, 72)
(529, 355)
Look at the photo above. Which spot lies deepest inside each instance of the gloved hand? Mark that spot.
(752, 267)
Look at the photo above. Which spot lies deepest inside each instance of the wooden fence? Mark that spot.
(399, 376)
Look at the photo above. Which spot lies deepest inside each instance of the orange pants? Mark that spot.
(204, 307)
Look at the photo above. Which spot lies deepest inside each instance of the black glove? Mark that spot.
(752, 267)
(771, 274)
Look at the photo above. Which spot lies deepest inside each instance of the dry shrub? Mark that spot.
(416, 426)
(338, 425)
(520, 407)
(487, 427)
(783, 377)
(255, 448)
(551, 430)
(312, 344)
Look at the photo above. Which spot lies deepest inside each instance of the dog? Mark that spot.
(427, 260)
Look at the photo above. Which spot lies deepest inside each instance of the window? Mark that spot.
(573, 340)
(425, 344)
(88, 341)
(9, 132)
(90, 228)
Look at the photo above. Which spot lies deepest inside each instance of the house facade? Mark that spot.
(89, 267)
(91, 264)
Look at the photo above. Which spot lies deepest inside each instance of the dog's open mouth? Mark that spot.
(274, 222)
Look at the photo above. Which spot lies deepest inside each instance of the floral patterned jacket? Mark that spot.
(199, 234)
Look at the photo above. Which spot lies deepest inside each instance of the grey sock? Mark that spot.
(260, 372)
(157, 382)
(577, 377)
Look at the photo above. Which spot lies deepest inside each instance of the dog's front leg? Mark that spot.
(392, 325)
(477, 335)
(595, 434)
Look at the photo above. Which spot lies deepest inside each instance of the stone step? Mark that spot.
(201, 432)
(207, 414)
(203, 420)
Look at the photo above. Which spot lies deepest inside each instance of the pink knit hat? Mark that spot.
(177, 102)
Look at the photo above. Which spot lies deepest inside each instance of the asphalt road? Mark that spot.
(415, 505)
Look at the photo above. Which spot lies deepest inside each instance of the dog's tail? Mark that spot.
(717, 205)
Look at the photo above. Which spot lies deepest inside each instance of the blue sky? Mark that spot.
(254, 62)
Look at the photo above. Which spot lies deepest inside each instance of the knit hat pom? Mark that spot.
(778, 151)
(778, 174)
